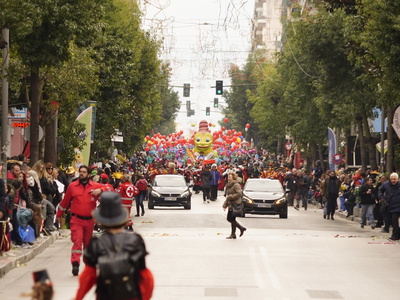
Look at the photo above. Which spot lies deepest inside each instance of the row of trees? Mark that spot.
(338, 63)
(65, 53)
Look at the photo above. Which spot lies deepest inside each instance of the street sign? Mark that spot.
(337, 158)
(288, 146)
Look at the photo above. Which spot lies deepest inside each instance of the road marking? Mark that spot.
(258, 277)
(270, 271)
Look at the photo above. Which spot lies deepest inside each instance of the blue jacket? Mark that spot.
(215, 177)
(391, 193)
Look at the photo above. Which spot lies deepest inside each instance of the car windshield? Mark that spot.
(169, 181)
(263, 186)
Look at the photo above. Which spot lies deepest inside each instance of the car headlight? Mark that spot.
(280, 201)
(247, 199)
(155, 194)
(185, 194)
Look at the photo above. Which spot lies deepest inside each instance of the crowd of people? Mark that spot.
(32, 194)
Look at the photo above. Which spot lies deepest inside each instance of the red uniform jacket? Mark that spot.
(127, 191)
(80, 198)
(108, 186)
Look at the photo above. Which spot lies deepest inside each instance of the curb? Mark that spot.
(22, 256)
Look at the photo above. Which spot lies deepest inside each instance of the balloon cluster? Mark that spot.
(227, 143)
(166, 143)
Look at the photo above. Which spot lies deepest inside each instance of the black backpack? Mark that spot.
(118, 277)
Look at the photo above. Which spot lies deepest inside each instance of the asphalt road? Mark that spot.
(302, 257)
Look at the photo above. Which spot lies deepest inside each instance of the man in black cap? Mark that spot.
(106, 254)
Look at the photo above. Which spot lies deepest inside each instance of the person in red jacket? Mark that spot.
(128, 192)
(80, 197)
(112, 217)
(104, 181)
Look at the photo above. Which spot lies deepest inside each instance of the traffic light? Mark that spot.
(219, 86)
(207, 111)
(215, 102)
(188, 106)
(186, 90)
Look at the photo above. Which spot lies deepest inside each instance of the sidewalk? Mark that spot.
(19, 256)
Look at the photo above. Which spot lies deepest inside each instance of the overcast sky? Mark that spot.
(201, 39)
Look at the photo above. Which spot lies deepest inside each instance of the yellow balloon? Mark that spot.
(193, 124)
(238, 140)
(213, 125)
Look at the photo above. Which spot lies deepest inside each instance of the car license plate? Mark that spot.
(170, 198)
(265, 205)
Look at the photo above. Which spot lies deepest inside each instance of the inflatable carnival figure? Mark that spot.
(203, 141)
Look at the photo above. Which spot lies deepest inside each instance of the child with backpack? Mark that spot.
(115, 261)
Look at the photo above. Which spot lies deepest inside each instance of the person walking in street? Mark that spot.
(128, 192)
(304, 183)
(205, 183)
(233, 193)
(367, 194)
(215, 178)
(331, 192)
(80, 197)
(141, 185)
(390, 193)
(115, 261)
(291, 185)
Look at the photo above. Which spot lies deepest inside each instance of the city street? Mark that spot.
(302, 257)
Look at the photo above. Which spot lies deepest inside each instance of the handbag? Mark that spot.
(383, 207)
(237, 210)
(27, 234)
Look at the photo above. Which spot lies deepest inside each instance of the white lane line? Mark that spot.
(258, 277)
(270, 271)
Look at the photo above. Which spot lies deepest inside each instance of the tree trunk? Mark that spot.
(321, 157)
(313, 149)
(278, 146)
(390, 150)
(347, 151)
(363, 152)
(50, 143)
(36, 94)
(371, 146)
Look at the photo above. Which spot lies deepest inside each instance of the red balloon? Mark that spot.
(223, 128)
(147, 149)
(226, 120)
(247, 125)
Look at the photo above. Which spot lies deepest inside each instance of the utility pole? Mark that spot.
(382, 161)
(4, 43)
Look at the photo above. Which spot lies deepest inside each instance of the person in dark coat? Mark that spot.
(367, 200)
(233, 193)
(330, 191)
(205, 183)
(291, 185)
(390, 192)
(215, 178)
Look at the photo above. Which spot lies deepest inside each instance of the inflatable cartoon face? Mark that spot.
(203, 141)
